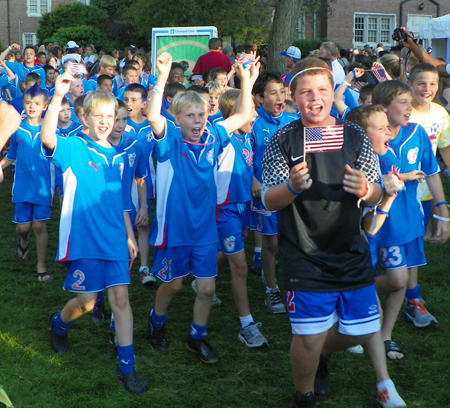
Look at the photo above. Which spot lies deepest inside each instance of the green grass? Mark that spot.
(34, 376)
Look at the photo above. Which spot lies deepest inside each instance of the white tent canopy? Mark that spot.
(436, 28)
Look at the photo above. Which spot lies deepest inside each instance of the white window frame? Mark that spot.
(39, 9)
(24, 43)
(379, 17)
(85, 2)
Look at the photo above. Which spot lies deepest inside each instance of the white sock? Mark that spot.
(384, 384)
(271, 290)
(246, 320)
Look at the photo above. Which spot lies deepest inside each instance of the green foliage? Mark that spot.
(68, 15)
(83, 35)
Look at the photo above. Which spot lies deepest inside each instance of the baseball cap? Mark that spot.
(367, 46)
(72, 44)
(292, 52)
(228, 48)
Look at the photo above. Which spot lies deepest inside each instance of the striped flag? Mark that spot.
(324, 139)
(379, 75)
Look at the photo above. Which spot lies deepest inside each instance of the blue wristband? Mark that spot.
(354, 74)
(292, 191)
(379, 210)
(441, 203)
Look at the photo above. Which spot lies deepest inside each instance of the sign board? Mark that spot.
(183, 43)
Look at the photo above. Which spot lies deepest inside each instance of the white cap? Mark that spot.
(72, 44)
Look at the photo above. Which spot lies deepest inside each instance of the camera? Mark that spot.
(399, 35)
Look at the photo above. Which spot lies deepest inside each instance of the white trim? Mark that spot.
(38, 6)
(379, 39)
(25, 43)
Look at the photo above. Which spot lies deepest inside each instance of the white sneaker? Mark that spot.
(388, 398)
(273, 301)
(146, 276)
(215, 302)
(252, 337)
(358, 349)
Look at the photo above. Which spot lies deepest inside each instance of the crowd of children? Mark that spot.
(333, 189)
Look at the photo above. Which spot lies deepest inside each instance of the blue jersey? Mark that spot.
(186, 188)
(91, 84)
(132, 129)
(92, 224)
(19, 70)
(120, 91)
(18, 106)
(36, 70)
(235, 172)
(410, 150)
(264, 127)
(168, 116)
(145, 137)
(73, 130)
(217, 117)
(50, 89)
(34, 178)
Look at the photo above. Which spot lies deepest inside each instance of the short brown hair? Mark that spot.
(227, 100)
(361, 115)
(306, 64)
(422, 67)
(387, 91)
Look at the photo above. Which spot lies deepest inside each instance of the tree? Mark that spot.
(83, 35)
(68, 15)
(282, 34)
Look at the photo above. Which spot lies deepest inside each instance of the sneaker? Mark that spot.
(300, 400)
(273, 301)
(134, 383)
(158, 338)
(252, 337)
(322, 380)
(146, 276)
(203, 349)
(388, 398)
(58, 343)
(446, 172)
(215, 302)
(358, 349)
(417, 314)
(98, 313)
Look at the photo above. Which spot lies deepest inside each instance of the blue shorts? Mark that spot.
(171, 263)
(95, 275)
(314, 313)
(232, 225)
(409, 255)
(426, 208)
(25, 213)
(262, 220)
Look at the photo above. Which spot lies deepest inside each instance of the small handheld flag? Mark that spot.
(324, 139)
(379, 75)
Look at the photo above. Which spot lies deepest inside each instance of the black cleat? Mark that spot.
(203, 349)
(300, 400)
(58, 343)
(158, 338)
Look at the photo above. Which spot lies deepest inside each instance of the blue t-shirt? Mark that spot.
(73, 130)
(91, 84)
(50, 89)
(186, 188)
(145, 137)
(410, 150)
(34, 178)
(92, 224)
(36, 70)
(132, 129)
(264, 127)
(217, 117)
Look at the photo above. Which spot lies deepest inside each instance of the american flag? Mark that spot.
(379, 75)
(324, 139)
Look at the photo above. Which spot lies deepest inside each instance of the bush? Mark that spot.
(83, 35)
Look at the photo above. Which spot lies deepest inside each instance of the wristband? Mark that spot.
(441, 218)
(54, 109)
(366, 194)
(9, 47)
(379, 210)
(354, 74)
(157, 89)
(292, 191)
(441, 203)
(346, 83)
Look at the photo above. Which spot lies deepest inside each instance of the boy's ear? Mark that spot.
(177, 119)
(259, 98)
(360, 102)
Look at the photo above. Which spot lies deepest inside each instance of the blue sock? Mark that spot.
(198, 332)
(413, 293)
(100, 298)
(112, 326)
(125, 357)
(59, 327)
(157, 320)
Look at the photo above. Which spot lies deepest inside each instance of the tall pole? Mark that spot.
(20, 41)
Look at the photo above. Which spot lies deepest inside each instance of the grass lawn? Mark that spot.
(34, 376)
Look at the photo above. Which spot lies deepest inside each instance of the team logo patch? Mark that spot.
(412, 155)
(210, 156)
(131, 158)
(229, 243)
(149, 136)
(373, 309)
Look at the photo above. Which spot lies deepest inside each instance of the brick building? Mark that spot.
(19, 19)
(354, 23)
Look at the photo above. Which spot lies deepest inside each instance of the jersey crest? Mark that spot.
(412, 155)
(229, 243)
(131, 158)
(210, 156)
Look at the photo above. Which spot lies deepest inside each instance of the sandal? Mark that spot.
(134, 383)
(23, 251)
(389, 346)
(44, 277)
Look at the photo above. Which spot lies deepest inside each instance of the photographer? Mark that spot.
(442, 67)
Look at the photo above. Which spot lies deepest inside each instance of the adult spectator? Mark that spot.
(291, 56)
(329, 50)
(228, 51)
(213, 59)
(71, 52)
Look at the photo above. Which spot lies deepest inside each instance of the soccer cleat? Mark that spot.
(322, 380)
(388, 398)
(146, 276)
(273, 301)
(134, 383)
(98, 313)
(358, 349)
(203, 349)
(417, 314)
(252, 337)
(300, 400)
(215, 302)
(158, 338)
(58, 343)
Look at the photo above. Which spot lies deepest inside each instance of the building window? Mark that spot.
(35, 8)
(29, 39)
(373, 29)
(85, 2)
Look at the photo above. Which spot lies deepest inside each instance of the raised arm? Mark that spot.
(157, 122)
(11, 75)
(339, 92)
(12, 47)
(9, 122)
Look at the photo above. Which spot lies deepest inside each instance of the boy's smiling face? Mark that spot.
(34, 106)
(399, 110)
(120, 124)
(274, 97)
(424, 87)
(134, 103)
(378, 132)
(192, 122)
(101, 121)
(314, 97)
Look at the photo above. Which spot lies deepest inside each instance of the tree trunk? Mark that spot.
(283, 32)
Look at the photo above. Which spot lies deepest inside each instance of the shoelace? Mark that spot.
(275, 298)
(419, 306)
